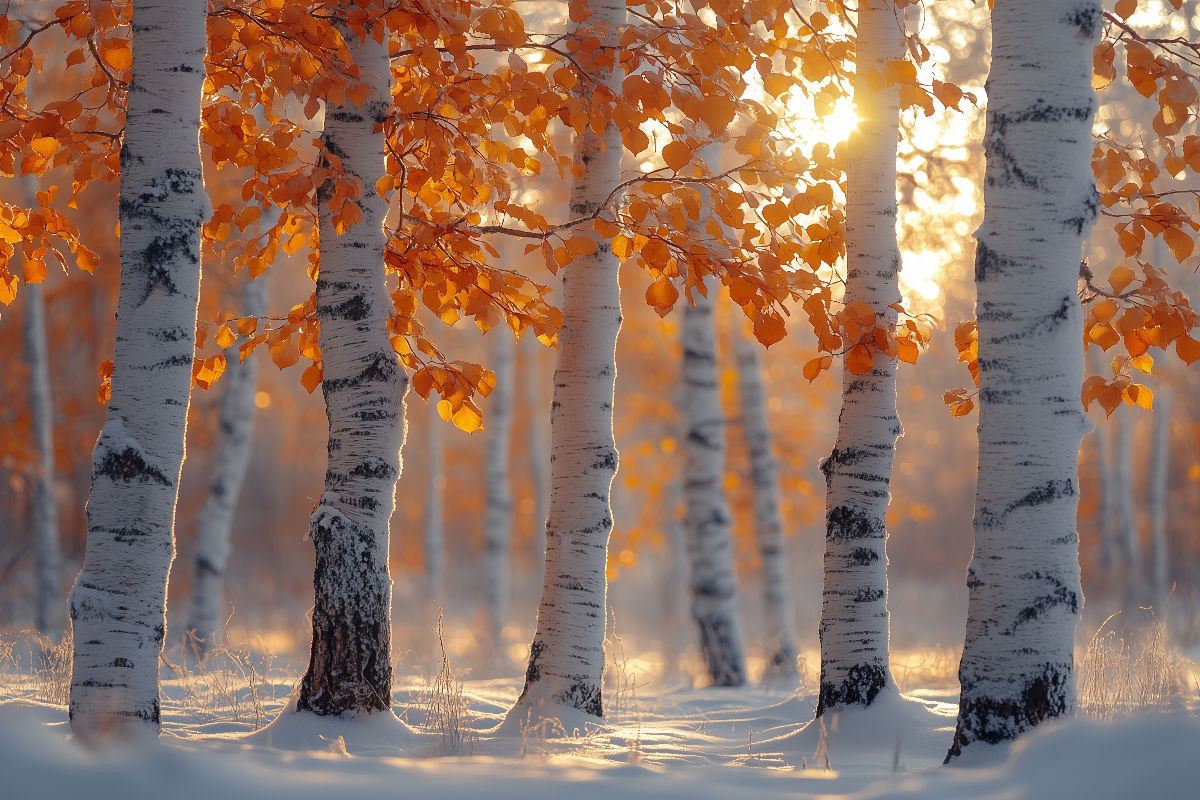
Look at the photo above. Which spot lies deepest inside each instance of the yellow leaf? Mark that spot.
(467, 418)
(225, 337)
(8, 288)
(1180, 243)
(662, 294)
(1145, 363)
(676, 155)
(1105, 310)
(10, 234)
(1139, 395)
(116, 54)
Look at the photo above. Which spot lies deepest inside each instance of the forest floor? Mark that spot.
(227, 734)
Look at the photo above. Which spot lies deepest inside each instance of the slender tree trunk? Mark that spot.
(435, 509)
(854, 614)
(1128, 540)
(566, 658)
(364, 386)
(1040, 200)
(768, 522)
(497, 534)
(118, 602)
(215, 525)
(1159, 476)
(1108, 493)
(539, 450)
(707, 520)
(675, 586)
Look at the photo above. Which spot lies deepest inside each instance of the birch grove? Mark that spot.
(118, 602)
(566, 658)
(214, 527)
(707, 519)
(1040, 200)
(854, 614)
(350, 667)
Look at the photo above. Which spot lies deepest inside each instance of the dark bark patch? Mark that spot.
(128, 465)
(1045, 695)
(862, 685)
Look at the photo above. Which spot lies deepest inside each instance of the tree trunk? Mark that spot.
(435, 510)
(349, 667)
(539, 449)
(1160, 472)
(566, 658)
(1128, 540)
(768, 522)
(707, 520)
(118, 601)
(1107, 486)
(1039, 202)
(854, 614)
(497, 534)
(215, 525)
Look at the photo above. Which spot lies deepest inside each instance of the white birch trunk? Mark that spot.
(350, 661)
(214, 527)
(497, 534)
(854, 614)
(1039, 202)
(118, 601)
(1107, 486)
(768, 522)
(566, 658)
(1160, 472)
(435, 510)
(1128, 540)
(707, 519)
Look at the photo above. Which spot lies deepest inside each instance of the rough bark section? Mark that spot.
(49, 609)
(350, 662)
(235, 421)
(435, 509)
(118, 601)
(707, 519)
(566, 658)
(854, 614)
(768, 522)
(1039, 202)
(497, 534)
(1160, 582)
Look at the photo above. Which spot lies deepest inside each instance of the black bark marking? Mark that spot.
(128, 465)
(862, 684)
(1046, 695)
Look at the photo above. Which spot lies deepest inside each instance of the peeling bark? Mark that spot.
(1040, 199)
(364, 386)
(854, 614)
(118, 602)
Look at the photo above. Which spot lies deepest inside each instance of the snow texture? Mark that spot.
(118, 602)
(1040, 201)
(854, 614)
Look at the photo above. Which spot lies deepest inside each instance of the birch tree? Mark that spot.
(1128, 541)
(768, 522)
(1160, 472)
(708, 521)
(49, 608)
(435, 510)
(363, 385)
(566, 658)
(118, 602)
(539, 467)
(854, 615)
(215, 524)
(1039, 202)
(497, 533)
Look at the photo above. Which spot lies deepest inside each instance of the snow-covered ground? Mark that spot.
(227, 734)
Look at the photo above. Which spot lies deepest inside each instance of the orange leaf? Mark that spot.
(1120, 278)
(859, 360)
(116, 54)
(662, 294)
(676, 155)
(312, 376)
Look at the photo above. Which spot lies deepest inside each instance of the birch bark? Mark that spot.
(1128, 541)
(854, 615)
(539, 467)
(768, 522)
(497, 535)
(1039, 202)
(214, 528)
(364, 386)
(707, 519)
(566, 658)
(118, 601)
(1160, 473)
